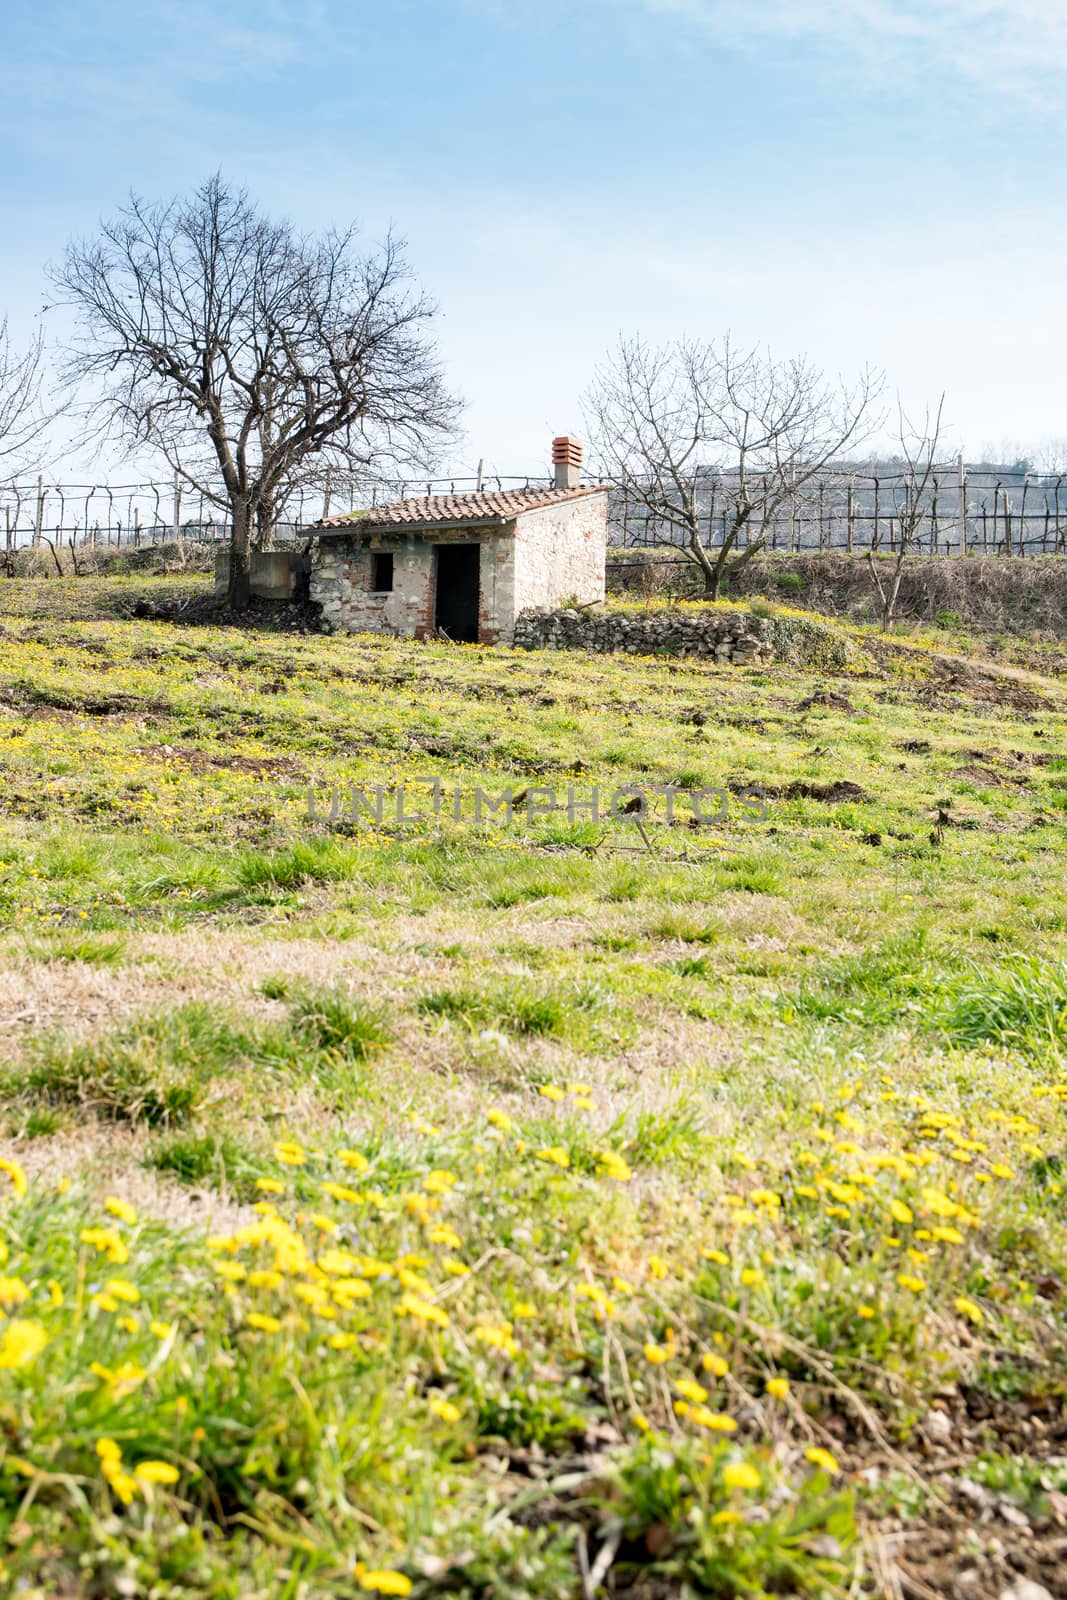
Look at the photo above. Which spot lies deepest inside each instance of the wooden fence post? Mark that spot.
(177, 525)
(38, 521)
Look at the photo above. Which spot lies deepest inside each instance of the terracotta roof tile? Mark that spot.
(487, 508)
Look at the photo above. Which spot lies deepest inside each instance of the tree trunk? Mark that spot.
(265, 524)
(240, 574)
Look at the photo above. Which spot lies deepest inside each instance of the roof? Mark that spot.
(454, 509)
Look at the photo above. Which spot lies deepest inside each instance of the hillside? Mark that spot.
(536, 1207)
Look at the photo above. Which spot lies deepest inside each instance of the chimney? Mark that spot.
(567, 461)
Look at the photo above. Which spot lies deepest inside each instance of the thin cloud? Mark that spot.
(1013, 46)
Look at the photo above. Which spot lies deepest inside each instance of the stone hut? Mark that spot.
(464, 565)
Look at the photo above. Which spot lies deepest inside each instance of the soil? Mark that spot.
(279, 765)
(828, 699)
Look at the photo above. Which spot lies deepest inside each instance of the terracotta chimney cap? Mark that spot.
(568, 450)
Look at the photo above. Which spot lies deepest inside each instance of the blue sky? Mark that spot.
(857, 180)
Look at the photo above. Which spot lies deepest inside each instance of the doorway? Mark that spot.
(456, 605)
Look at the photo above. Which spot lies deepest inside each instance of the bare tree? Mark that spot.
(243, 351)
(916, 484)
(697, 433)
(23, 418)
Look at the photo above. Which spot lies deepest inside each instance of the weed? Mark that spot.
(155, 1069)
(97, 950)
(331, 1020)
(216, 1160)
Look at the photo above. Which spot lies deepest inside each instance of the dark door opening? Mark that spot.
(456, 607)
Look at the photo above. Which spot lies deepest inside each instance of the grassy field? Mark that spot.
(544, 1208)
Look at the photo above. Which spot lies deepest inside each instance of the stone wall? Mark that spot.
(560, 553)
(732, 636)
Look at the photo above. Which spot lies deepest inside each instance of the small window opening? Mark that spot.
(381, 573)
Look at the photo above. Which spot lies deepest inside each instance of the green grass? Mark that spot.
(510, 1132)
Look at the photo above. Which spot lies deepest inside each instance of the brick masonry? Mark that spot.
(540, 558)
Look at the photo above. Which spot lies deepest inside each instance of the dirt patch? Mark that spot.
(206, 610)
(33, 701)
(838, 792)
(280, 766)
(828, 700)
(984, 777)
(966, 1563)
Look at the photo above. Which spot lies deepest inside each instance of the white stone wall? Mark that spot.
(560, 552)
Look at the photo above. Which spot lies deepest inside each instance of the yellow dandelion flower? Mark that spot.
(120, 1209)
(410, 1305)
(121, 1484)
(232, 1271)
(499, 1119)
(439, 1182)
(156, 1472)
(123, 1289)
(385, 1581)
(714, 1364)
(714, 1421)
(968, 1309)
(777, 1388)
(290, 1154)
(355, 1160)
(496, 1337)
(13, 1292)
(20, 1344)
(556, 1155)
(262, 1322)
(689, 1389)
(108, 1242)
(821, 1458)
(552, 1091)
(270, 1185)
(445, 1409)
(740, 1475)
(720, 1258)
(17, 1176)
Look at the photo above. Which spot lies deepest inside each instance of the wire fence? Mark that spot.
(984, 509)
(45, 515)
